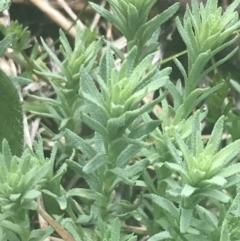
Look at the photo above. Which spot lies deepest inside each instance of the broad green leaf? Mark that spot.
(11, 116)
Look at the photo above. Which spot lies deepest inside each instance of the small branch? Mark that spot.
(71, 13)
(57, 227)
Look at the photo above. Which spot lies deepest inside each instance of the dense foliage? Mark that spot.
(120, 170)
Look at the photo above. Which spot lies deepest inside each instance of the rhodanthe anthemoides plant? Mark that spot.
(136, 176)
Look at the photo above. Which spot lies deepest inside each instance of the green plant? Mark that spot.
(136, 176)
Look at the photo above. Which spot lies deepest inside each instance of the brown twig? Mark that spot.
(57, 227)
(56, 16)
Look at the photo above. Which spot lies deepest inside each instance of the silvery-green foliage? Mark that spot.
(185, 170)
(131, 19)
(20, 182)
(205, 30)
(66, 108)
(204, 169)
(114, 113)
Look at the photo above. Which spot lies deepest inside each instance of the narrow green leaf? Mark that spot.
(185, 219)
(207, 216)
(106, 66)
(185, 151)
(92, 179)
(122, 175)
(84, 193)
(99, 160)
(115, 230)
(7, 155)
(216, 180)
(230, 170)
(161, 236)
(144, 129)
(137, 168)
(187, 191)
(177, 96)
(152, 25)
(166, 205)
(181, 68)
(77, 142)
(65, 43)
(225, 155)
(215, 194)
(88, 86)
(40, 234)
(216, 135)
(173, 152)
(32, 194)
(95, 125)
(6, 42)
(225, 235)
(148, 182)
(127, 154)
